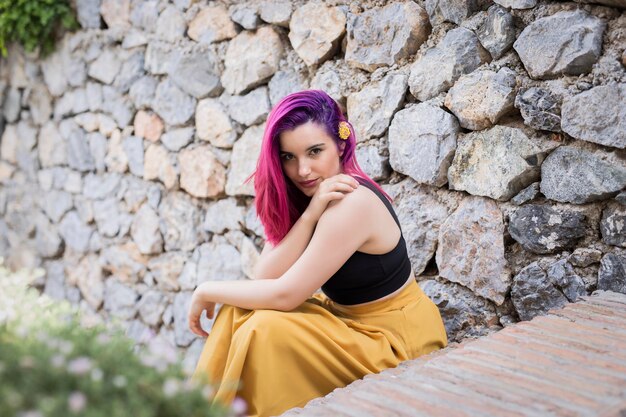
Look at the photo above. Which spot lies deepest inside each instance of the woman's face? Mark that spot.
(308, 156)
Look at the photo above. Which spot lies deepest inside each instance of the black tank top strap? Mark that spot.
(382, 197)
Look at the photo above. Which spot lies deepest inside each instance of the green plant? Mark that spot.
(52, 366)
(34, 23)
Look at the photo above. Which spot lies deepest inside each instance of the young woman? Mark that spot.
(277, 343)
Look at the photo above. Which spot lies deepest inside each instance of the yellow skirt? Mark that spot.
(277, 360)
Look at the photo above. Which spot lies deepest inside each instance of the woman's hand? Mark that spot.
(197, 306)
(332, 188)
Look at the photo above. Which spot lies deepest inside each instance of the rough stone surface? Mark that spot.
(373, 163)
(527, 194)
(180, 220)
(145, 231)
(481, 98)
(420, 228)
(277, 12)
(120, 300)
(173, 105)
(315, 31)
(612, 273)
(425, 151)
(542, 229)
(382, 37)
(613, 225)
(540, 108)
(471, 249)
(284, 83)
(159, 164)
(243, 161)
(539, 288)
(213, 124)
(212, 24)
(517, 4)
(454, 11)
(497, 33)
(251, 108)
(438, 68)
(371, 109)
(251, 59)
(578, 175)
(497, 163)
(201, 174)
(547, 50)
(584, 115)
(196, 71)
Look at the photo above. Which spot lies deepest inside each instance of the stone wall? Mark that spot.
(498, 127)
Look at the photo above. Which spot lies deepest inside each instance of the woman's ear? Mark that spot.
(342, 146)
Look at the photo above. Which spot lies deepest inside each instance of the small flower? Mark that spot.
(119, 381)
(97, 374)
(80, 365)
(170, 387)
(76, 402)
(344, 130)
(239, 406)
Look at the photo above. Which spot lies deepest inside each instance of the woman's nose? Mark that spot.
(304, 170)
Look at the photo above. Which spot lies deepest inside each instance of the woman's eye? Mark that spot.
(315, 151)
(286, 157)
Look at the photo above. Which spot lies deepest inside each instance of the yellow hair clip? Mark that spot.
(344, 130)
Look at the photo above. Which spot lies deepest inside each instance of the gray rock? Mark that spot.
(482, 98)
(160, 57)
(246, 15)
(251, 59)
(74, 232)
(438, 68)
(184, 336)
(613, 225)
(172, 104)
(471, 249)
(88, 277)
(101, 186)
(88, 13)
(142, 91)
(527, 194)
(373, 163)
(584, 115)
(496, 163)
(132, 69)
(611, 3)
(151, 307)
(115, 14)
(180, 222)
(55, 280)
(573, 174)
(197, 71)
(124, 261)
(144, 15)
(176, 139)
(251, 108)
(107, 216)
(464, 314)
(223, 215)
(517, 4)
(212, 24)
(11, 107)
(384, 36)
(584, 257)
(425, 151)
(201, 174)
(105, 67)
(284, 83)
(371, 109)
(219, 261)
(540, 108)
(315, 31)
(243, 161)
(47, 240)
(93, 91)
(546, 48)
(497, 33)
(51, 146)
(277, 12)
(119, 299)
(118, 106)
(454, 11)
(133, 146)
(537, 290)
(55, 203)
(78, 153)
(420, 228)
(53, 71)
(542, 229)
(171, 25)
(40, 103)
(612, 273)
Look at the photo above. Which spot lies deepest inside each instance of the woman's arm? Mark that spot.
(341, 230)
(275, 261)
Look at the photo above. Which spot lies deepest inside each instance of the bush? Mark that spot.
(34, 23)
(52, 366)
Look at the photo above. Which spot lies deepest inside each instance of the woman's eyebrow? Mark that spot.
(308, 149)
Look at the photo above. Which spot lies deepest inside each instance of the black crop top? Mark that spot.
(366, 277)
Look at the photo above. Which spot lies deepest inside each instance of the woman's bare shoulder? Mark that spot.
(357, 202)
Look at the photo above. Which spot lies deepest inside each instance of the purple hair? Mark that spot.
(279, 203)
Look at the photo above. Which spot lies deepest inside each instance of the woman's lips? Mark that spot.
(309, 183)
